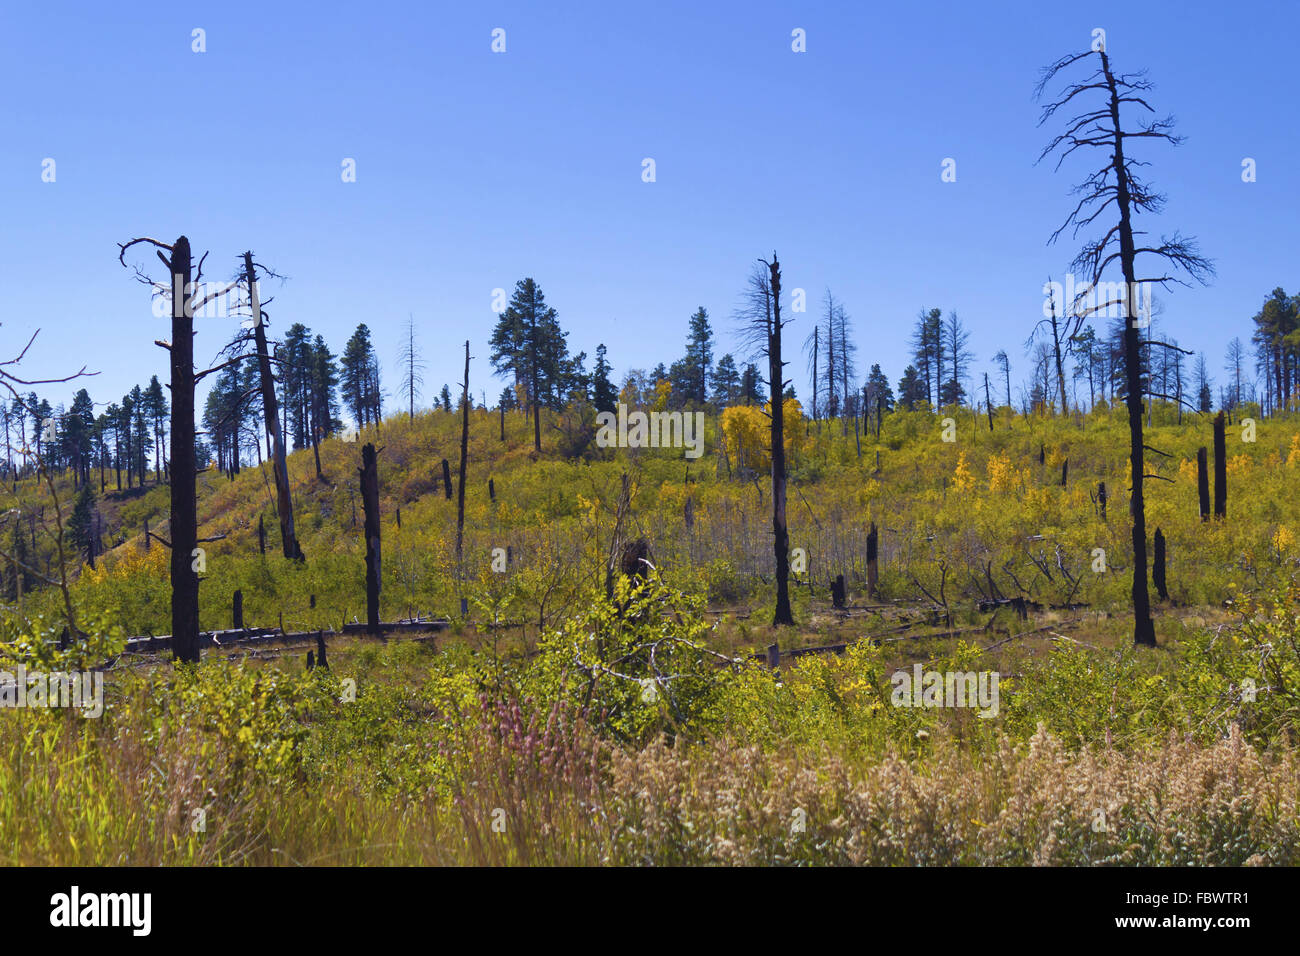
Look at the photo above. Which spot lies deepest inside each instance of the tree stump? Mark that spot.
(837, 592)
(1158, 566)
(635, 560)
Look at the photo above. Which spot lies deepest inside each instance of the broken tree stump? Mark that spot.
(837, 591)
(446, 477)
(1101, 498)
(1158, 566)
(237, 610)
(320, 651)
(773, 655)
(635, 560)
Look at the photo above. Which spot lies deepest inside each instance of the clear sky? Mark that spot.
(474, 168)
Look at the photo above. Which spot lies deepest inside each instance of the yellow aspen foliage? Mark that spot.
(962, 479)
(748, 431)
(1002, 477)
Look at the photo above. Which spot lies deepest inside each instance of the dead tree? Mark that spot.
(1220, 469)
(1055, 327)
(187, 297)
(1115, 182)
(464, 457)
(446, 477)
(271, 414)
(873, 572)
(1203, 482)
(1158, 566)
(370, 504)
(761, 329)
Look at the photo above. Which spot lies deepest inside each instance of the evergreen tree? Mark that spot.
(359, 380)
(911, 388)
(156, 409)
(81, 523)
(878, 390)
(529, 344)
(699, 358)
(604, 396)
(726, 382)
(445, 398)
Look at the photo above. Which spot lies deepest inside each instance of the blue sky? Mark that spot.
(475, 169)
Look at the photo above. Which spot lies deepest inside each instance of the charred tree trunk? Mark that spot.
(446, 477)
(1220, 469)
(271, 415)
(184, 505)
(837, 591)
(464, 452)
(1158, 566)
(237, 610)
(1203, 482)
(873, 573)
(780, 534)
(1101, 498)
(370, 504)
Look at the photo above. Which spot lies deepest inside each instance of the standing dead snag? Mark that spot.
(1116, 182)
(370, 504)
(1158, 566)
(1220, 469)
(1203, 483)
(271, 414)
(761, 330)
(187, 297)
(873, 572)
(460, 488)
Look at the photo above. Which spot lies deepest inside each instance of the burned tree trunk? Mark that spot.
(873, 571)
(776, 371)
(464, 453)
(237, 610)
(1158, 566)
(1101, 498)
(1203, 482)
(1115, 181)
(1220, 469)
(446, 477)
(261, 534)
(271, 414)
(837, 591)
(184, 527)
(370, 504)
